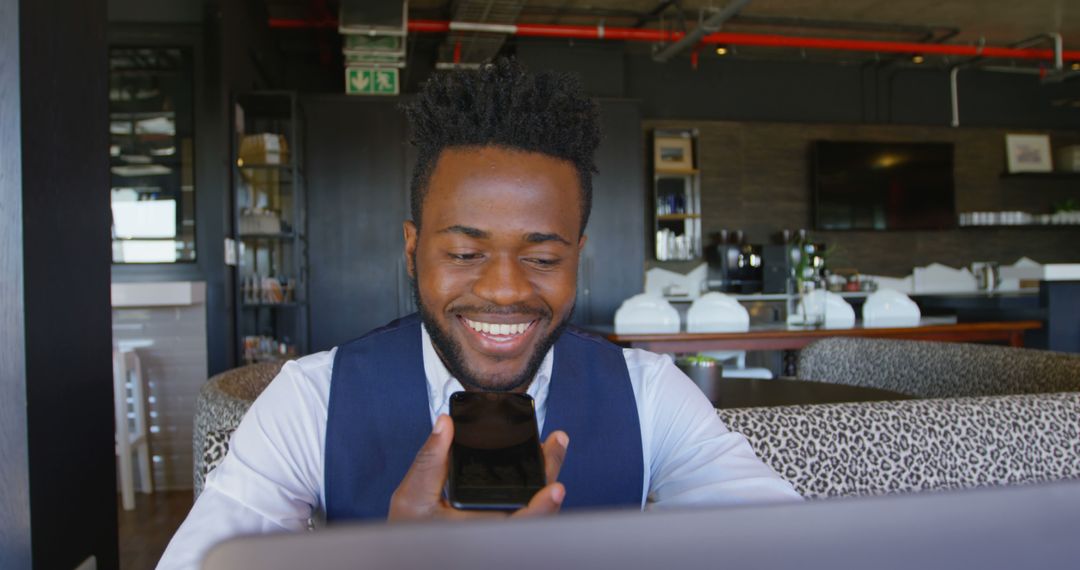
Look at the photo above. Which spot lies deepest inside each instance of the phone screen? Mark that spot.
(495, 459)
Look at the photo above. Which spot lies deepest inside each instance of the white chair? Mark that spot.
(889, 308)
(646, 314)
(838, 314)
(132, 431)
(717, 312)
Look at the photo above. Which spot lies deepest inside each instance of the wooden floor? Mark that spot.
(145, 531)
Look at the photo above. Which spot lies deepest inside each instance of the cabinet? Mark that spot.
(269, 224)
(676, 196)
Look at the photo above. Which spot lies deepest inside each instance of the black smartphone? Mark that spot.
(495, 459)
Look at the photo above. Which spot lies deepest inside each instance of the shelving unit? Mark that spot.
(270, 228)
(1056, 175)
(676, 186)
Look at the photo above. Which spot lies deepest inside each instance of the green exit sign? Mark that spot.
(371, 81)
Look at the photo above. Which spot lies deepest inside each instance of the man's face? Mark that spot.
(495, 261)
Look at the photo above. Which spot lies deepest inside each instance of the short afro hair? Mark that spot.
(502, 105)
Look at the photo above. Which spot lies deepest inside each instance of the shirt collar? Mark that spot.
(441, 384)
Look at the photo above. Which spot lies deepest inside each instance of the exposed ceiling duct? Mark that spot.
(373, 36)
(711, 24)
(758, 40)
(476, 30)
(470, 48)
(373, 17)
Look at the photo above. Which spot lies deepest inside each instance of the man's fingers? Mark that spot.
(546, 502)
(424, 482)
(555, 454)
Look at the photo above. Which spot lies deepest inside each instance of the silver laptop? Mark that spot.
(1035, 526)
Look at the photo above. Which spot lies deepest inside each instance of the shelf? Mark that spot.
(1021, 227)
(1059, 175)
(676, 217)
(675, 171)
(274, 181)
(245, 166)
(285, 236)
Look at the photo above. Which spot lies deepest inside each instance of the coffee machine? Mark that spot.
(782, 260)
(734, 266)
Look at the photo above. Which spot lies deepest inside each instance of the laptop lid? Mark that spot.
(1014, 527)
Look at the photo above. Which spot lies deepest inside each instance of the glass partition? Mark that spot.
(151, 154)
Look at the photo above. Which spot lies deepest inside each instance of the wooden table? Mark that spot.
(748, 393)
(780, 337)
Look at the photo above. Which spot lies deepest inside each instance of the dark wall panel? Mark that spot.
(14, 468)
(598, 64)
(66, 257)
(611, 267)
(746, 90)
(356, 204)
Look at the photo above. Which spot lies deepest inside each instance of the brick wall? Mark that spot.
(756, 178)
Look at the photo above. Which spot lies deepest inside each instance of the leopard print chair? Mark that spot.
(874, 448)
(938, 369)
(222, 403)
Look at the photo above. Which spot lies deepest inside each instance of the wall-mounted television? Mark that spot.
(883, 186)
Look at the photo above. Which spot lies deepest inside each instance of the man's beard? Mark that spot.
(453, 355)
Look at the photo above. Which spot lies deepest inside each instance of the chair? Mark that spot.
(825, 306)
(890, 308)
(906, 446)
(938, 369)
(646, 313)
(222, 403)
(132, 431)
(717, 312)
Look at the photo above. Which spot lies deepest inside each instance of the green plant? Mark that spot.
(1068, 205)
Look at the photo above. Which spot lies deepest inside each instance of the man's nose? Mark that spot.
(503, 281)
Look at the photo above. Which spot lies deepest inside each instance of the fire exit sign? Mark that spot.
(371, 81)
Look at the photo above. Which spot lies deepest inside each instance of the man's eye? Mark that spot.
(465, 256)
(542, 262)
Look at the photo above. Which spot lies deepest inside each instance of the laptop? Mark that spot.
(1034, 526)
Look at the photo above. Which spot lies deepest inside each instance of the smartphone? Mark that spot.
(495, 459)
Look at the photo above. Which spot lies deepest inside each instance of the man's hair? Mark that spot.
(502, 105)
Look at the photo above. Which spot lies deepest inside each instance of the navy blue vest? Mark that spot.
(378, 417)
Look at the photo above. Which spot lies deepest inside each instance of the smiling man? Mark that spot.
(501, 196)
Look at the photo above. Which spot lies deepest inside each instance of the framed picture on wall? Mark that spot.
(1028, 153)
(673, 153)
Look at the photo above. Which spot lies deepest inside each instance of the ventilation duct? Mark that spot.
(470, 48)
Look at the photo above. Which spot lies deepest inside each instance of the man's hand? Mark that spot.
(420, 494)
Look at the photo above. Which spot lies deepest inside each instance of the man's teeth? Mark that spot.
(500, 329)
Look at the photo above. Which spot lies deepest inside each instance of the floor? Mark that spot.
(146, 530)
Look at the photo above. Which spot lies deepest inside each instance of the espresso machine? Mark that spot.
(734, 266)
(782, 260)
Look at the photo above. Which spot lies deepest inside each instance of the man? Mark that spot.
(500, 199)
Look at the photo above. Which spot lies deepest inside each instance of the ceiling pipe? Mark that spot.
(736, 39)
(712, 24)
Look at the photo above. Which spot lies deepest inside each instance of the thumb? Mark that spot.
(555, 454)
(424, 482)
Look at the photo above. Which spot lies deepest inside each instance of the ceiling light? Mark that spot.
(721, 50)
(1075, 66)
(917, 59)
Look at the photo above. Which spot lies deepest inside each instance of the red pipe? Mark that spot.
(759, 40)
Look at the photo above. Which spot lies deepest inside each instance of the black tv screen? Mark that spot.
(883, 186)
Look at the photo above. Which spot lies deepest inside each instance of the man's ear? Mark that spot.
(581, 243)
(411, 235)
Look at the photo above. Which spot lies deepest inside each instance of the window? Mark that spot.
(152, 154)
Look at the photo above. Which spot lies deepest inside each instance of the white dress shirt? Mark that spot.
(272, 478)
